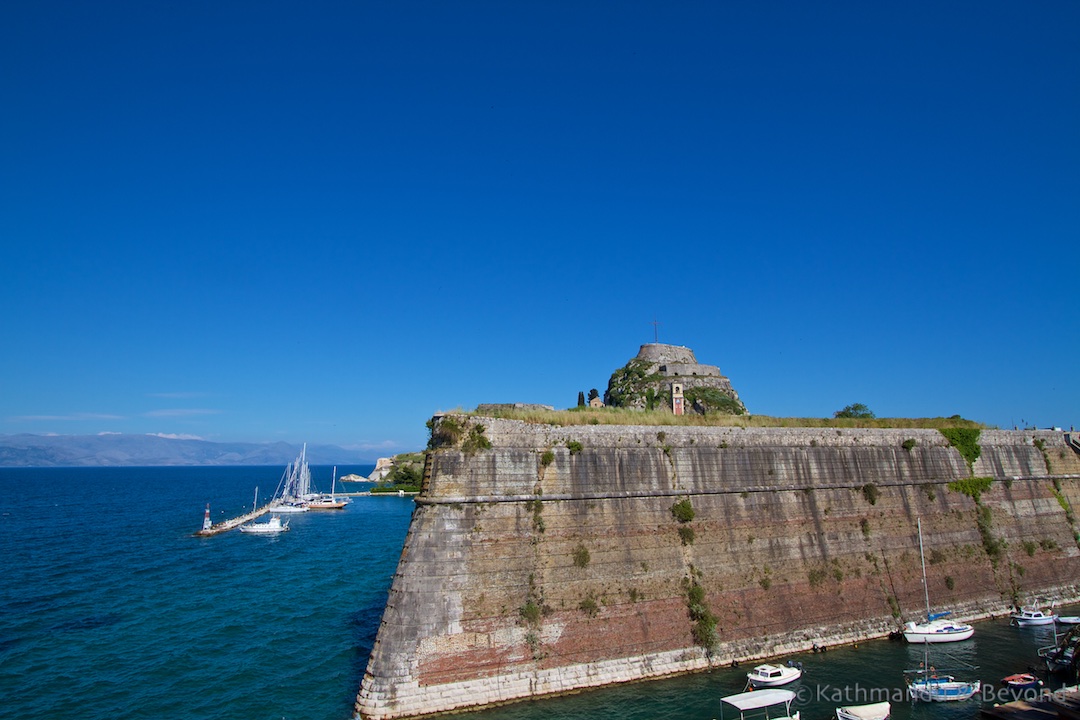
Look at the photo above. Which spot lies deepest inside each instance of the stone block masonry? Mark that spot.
(553, 561)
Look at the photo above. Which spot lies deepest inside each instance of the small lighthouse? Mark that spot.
(206, 518)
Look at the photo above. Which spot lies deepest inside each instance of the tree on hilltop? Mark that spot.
(854, 410)
(581, 398)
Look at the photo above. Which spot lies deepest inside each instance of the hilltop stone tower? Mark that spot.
(647, 380)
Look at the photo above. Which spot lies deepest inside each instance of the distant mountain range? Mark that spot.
(150, 450)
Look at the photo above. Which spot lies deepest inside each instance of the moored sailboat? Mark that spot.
(328, 502)
(295, 484)
(928, 684)
(936, 629)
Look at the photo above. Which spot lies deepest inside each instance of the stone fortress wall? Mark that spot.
(553, 561)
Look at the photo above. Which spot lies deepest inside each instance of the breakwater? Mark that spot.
(560, 558)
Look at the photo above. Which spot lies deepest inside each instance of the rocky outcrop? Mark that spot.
(568, 557)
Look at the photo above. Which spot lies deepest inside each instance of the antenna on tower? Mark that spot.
(656, 331)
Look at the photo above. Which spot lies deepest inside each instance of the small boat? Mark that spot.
(779, 701)
(1061, 656)
(1032, 615)
(928, 685)
(937, 630)
(1068, 619)
(1022, 681)
(271, 527)
(940, 688)
(764, 676)
(873, 711)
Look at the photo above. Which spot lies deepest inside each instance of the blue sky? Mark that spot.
(327, 221)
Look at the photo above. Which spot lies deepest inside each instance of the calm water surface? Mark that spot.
(110, 609)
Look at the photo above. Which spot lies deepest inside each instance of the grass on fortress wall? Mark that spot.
(627, 416)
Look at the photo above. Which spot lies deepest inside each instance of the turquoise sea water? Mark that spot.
(110, 609)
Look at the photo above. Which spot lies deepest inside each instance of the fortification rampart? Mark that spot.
(554, 560)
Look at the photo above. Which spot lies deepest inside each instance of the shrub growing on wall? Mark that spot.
(683, 511)
(966, 441)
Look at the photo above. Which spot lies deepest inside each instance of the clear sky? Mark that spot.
(259, 221)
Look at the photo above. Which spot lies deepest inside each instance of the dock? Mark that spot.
(232, 523)
(1063, 704)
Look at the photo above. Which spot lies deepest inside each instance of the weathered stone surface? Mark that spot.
(520, 579)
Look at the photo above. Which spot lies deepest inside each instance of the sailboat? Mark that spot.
(927, 684)
(936, 629)
(295, 484)
(328, 502)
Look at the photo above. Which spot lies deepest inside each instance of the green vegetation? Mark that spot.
(908, 444)
(547, 458)
(683, 510)
(854, 410)
(1041, 445)
(704, 629)
(709, 401)
(453, 430)
(476, 440)
(581, 556)
(574, 447)
(973, 487)
(686, 534)
(589, 607)
(864, 525)
(991, 545)
(530, 612)
(662, 416)
(406, 475)
(627, 385)
(871, 493)
(447, 431)
(949, 582)
(965, 440)
(894, 606)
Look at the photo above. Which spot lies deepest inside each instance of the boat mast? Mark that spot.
(922, 557)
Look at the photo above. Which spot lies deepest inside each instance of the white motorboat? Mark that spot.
(936, 629)
(271, 527)
(1031, 615)
(873, 711)
(1068, 619)
(764, 676)
(774, 702)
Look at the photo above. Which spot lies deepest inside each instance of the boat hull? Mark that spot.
(938, 636)
(770, 676)
(940, 690)
(873, 711)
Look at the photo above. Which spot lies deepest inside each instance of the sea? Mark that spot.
(110, 608)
